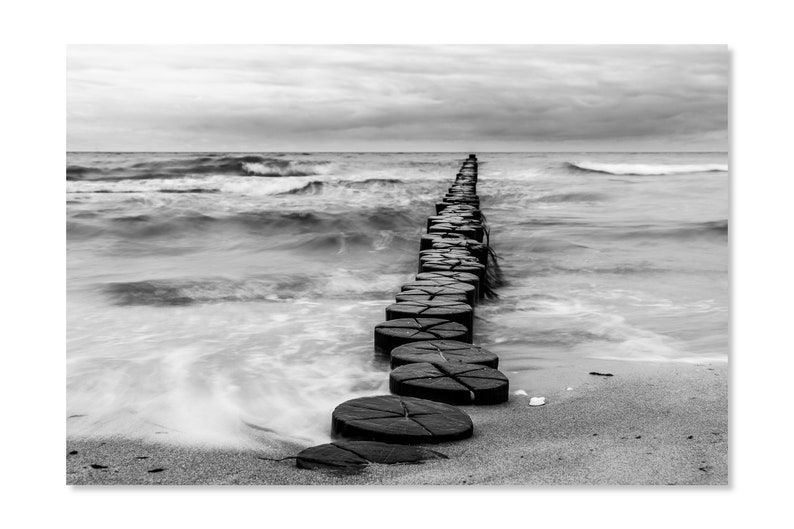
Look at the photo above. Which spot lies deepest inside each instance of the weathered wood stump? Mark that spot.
(428, 239)
(467, 231)
(394, 333)
(463, 277)
(462, 198)
(477, 249)
(431, 294)
(461, 208)
(461, 190)
(456, 265)
(401, 420)
(426, 256)
(460, 224)
(354, 456)
(429, 256)
(450, 217)
(442, 351)
(455, 311)
(466, 289)
(459, 252)
(448, 202)
(453, 383)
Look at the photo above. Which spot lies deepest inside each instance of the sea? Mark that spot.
(229, 299)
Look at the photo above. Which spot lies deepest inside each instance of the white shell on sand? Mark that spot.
(537, 401)
(521, 392)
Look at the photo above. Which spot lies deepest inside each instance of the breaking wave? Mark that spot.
(264, 289)
(208, 290)
(694, 230)
(322, 229)
(572, 197)
(273, 167)
(317, 186)
(226, 184)
(179, 165)
(311, 188)
(647, 169)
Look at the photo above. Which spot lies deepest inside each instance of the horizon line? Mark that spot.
(384, 152)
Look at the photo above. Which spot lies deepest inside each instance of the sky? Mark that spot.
(397, 98)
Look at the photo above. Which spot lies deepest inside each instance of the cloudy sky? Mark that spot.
(397, 98)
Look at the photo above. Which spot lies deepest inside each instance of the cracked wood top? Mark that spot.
(455, 383)
(465, 277)
(440, 285)
(353, 456)
(421, 328)
(430, 306)
(454, 265)
(391, 418)
(453, 310)
(442, 351)
(432, 293)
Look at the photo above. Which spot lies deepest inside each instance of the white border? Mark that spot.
(33, 130)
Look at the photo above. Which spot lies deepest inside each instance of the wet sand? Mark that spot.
(649, 423)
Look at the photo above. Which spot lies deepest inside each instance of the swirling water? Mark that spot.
(229, 299)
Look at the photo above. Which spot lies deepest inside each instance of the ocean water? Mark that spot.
(229, 299)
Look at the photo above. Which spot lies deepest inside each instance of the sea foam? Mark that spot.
(648, 169)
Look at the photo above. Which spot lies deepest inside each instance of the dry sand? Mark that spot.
(650, 423)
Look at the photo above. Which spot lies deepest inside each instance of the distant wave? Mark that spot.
(186, 166)
(194, 190)
(273, 167)
(572, 197)
(432, 164)
(647, 169)
(190, 190)
(546, 267)
(271, 288)
(311, 188)
(309, 228)
(242, 185)
(373, 181)
(168, 292)
(317, 186)
(693, 230)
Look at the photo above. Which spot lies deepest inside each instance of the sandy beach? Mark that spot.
(648, 424)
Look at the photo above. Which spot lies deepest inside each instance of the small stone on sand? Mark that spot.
(537, 401)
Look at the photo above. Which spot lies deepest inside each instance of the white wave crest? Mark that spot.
(286, 169)
(196, 184)
(649, 169)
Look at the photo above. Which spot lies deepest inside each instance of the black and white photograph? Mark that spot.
(397, 264)
(429, 264)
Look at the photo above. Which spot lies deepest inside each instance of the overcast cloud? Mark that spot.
(397, 98)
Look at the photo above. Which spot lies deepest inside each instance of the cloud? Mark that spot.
(396, 97)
